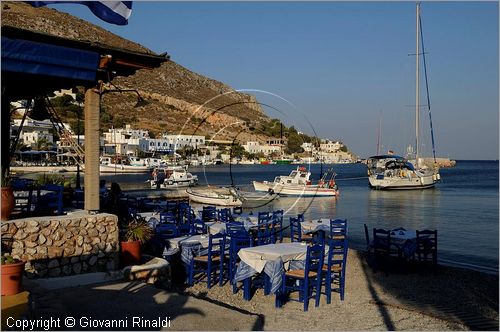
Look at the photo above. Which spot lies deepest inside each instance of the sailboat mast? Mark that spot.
(417, 87)
(379, 130)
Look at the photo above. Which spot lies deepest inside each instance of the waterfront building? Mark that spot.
(33, 131)
(330, 146)
(308, 147)
(180, 141)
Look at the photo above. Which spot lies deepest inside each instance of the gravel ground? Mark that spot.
(376, 301)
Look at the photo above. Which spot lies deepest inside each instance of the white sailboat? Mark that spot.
(394, 172)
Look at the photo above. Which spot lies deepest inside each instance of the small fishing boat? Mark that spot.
(214, 196)
(254, 199)
(172, 177)
(299, 184)
(109, 165)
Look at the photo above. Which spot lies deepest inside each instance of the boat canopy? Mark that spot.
(386, 156)
(398, 164)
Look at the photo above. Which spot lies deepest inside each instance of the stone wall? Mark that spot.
(64, 245)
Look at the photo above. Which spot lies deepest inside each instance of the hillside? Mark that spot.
(179, 100)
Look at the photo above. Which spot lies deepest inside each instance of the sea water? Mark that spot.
(463, 207)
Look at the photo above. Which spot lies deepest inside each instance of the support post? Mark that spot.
(91, 179)
(5, 134)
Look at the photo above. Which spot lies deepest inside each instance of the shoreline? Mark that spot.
(415, 301)
(450, 299)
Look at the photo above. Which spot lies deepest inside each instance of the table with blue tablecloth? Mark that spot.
(272, 259)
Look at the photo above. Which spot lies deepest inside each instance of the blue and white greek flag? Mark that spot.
(114, 12)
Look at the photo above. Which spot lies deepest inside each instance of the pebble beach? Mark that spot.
(450, 299)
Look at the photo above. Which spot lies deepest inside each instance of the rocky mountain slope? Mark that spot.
(179, 100)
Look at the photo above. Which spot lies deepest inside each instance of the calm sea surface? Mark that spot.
(463, 207)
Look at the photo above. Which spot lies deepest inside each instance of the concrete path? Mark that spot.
(138, 306)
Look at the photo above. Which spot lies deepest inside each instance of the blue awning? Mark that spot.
(28, 57)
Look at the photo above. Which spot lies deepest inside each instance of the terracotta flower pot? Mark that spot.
(7, 203)
(12, 278)
(131, 253)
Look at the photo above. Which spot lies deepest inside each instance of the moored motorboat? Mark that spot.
(299, 184)
(214, 196)
(112, 165)
(172, 177)
(256, 199)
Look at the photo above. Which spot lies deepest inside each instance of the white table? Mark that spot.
(405, 240)
(257, 257)
(272, 259)
(152, 218)
(312, 226)
(220, 227)
(177, 242)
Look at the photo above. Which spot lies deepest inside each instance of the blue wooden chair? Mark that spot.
(167, 217)
(166, 231)
(381, 247)
(198, 227)
(209, 213)
(306, 281)
(338, 229)
(369, 244)
(53, 201)
(264, 228)
(224, 215)
(333, 272)
(171, 206)
(296, 231)
(237, 210)
(209, 266)
(238, 241)
(277, 226)
(235, 228)
(427, 246)
(185, 219)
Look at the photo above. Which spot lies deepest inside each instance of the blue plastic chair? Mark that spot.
(308, 279)
(334, 269)
(207, 265)
(338, 229)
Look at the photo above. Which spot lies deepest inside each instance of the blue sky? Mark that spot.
(341, 64)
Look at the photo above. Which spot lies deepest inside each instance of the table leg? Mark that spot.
(247, 285)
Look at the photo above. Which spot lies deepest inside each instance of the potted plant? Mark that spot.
(12, 275)
(7, 197)
(137, 233)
